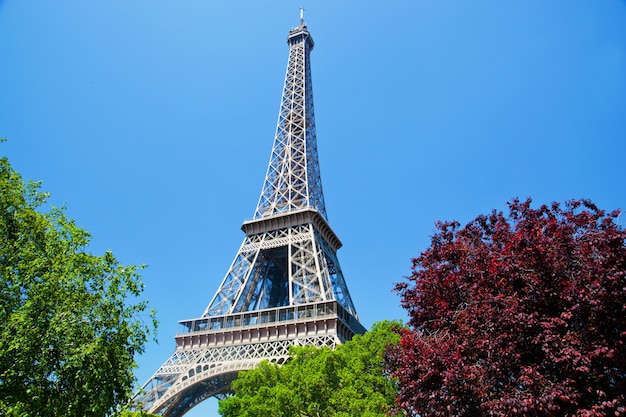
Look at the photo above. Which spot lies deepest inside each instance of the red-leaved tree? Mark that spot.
(522, 315)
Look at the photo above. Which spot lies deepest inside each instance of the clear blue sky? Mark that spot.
(153, 122)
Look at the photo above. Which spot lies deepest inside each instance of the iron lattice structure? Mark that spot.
(285, 286)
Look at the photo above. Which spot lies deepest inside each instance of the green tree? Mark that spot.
(345, 382)
(70, 322)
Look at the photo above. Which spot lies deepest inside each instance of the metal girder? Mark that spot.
(293, 180)
(308, 266)
(285, 286)
(208, 358)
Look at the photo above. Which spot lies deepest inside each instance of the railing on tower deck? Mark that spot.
(302, 312)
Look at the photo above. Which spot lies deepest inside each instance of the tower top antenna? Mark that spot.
(301, 16)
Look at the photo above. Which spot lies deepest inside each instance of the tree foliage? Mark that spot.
(349, 381)
(518, 315)
(70, 323)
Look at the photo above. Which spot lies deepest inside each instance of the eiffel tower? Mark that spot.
(285, 286)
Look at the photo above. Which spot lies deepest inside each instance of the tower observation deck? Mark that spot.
(285, 286)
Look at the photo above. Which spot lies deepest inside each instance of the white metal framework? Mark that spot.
(285, 286)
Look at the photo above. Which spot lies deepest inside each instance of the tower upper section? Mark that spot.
(293, 179)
